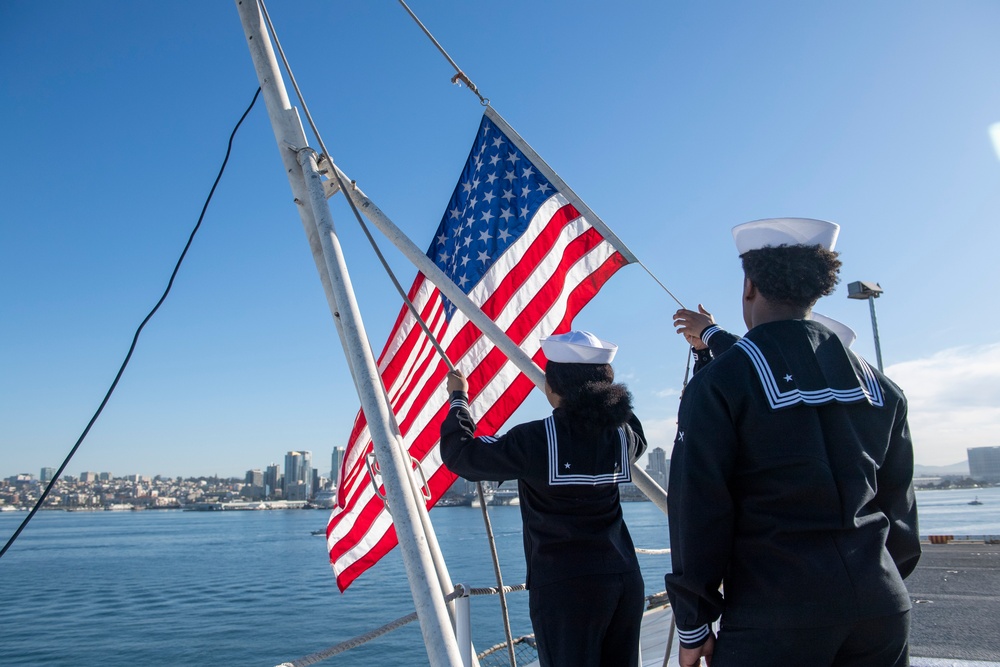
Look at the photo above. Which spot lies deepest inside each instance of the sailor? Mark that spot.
(585, 590)
(791, 480)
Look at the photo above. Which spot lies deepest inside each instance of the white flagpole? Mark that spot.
(438, 634)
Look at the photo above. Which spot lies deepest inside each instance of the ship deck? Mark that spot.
(955, 620)
(956, 605)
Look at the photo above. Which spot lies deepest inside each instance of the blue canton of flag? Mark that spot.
(492, 205)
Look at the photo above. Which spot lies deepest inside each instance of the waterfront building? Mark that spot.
(47, 474)
(658, 466)
(272, 480)
(984, 463)
(298, 468)
(336, 461)
(88, 477)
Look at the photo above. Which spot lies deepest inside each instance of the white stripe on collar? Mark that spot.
(558, 479)
(870, 390)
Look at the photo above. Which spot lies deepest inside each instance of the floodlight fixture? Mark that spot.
(860, 289)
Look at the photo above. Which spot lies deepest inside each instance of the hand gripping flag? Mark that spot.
(530, 254)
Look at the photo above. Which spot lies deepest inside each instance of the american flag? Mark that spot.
(514, 239)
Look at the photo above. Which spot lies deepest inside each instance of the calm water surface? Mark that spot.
(254, 588)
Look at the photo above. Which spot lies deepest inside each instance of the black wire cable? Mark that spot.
(135, 338)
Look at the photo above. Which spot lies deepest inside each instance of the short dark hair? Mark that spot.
(589, 393)
(795, 275)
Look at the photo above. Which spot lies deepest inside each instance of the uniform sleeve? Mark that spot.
(636, 427)
(718, 340)
(896, 499)
(700, 508)
(479, 459)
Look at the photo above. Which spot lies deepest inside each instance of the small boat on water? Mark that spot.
(976, 501)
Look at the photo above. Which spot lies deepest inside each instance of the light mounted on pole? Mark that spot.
(870, 291)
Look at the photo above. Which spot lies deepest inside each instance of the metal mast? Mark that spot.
(305, 180)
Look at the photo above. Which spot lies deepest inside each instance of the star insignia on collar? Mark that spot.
(566, 465)
(788, 377)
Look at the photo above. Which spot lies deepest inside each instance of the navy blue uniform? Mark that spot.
(790, 486)
(585, 588)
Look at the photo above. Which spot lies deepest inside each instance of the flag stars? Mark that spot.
(513, 157)
(498, 142)
(510, 176)
(490, 179)
(494, 159)
(487, 216)
(507, 195)
(484, 236)
(504, 234)
(528, 172)
(488, 198)
(483, 257)
(544, 188)
(506, 215)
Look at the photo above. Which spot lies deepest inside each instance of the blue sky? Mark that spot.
(674, 121)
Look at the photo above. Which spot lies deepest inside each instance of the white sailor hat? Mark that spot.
(845, 333)
(578, 347)
(788, 231)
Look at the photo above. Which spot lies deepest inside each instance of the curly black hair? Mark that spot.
(795, 275)
(589, 393)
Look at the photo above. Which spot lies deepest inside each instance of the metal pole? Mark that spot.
(425, 585)
(463, 625)
(878, 347)
(439, 637)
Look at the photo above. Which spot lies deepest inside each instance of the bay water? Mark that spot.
(167, 587)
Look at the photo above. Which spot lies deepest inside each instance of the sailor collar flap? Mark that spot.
(568, 467)
(803, 362)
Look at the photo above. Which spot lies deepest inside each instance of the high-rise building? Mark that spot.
(254, 478)
(298, 468)
(47, 474)
(984, 463)
(336, 461)
(272, 477)
(659, 466)
(88, 476)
